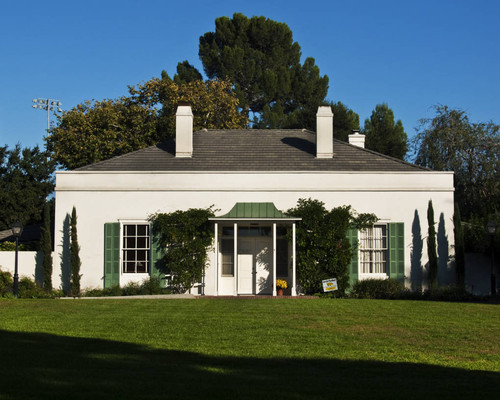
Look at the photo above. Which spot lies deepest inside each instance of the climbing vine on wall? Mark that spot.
(323, 250)
(185, 237)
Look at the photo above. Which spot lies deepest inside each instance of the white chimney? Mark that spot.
(184, 131)
(357, 139)
(324, 132)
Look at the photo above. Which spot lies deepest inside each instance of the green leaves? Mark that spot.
(98, 130)
(384, 135)
(431, 248)
(74, 253)
(26, 179)
(449, 142)
(260, 58)
(186, 237)
(323, 250)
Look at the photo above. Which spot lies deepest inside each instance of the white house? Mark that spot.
(252, 176)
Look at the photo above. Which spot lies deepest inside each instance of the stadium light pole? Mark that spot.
(47, 105)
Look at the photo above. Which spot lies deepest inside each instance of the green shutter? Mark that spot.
(396, 251)
(157, 254)
(111, 254)
(352, 235)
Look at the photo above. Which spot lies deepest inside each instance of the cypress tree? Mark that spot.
(459, 248)
(431, 248)
(46, 248)
(74, 256)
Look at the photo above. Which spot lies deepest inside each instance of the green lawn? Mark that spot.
(248, 349)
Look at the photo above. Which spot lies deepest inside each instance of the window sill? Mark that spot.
(362, 277)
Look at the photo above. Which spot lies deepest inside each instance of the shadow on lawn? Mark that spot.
(44, 366)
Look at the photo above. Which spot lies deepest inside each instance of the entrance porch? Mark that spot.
(254, 246)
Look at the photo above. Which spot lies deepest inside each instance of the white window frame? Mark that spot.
(373, 249)
(123, 223)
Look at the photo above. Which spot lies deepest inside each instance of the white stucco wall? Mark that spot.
(111, 197)
(26, 263)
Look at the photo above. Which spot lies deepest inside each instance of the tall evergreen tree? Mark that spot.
(74, 256)
(26, 179)
(431, 248)
(46, 248)
(459, 248)
(260, 57)
(345, 121)
(383, 134)
(186, 73)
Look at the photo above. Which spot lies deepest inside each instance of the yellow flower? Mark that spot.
(281, 284)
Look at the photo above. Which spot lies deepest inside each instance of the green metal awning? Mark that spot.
(255, 211)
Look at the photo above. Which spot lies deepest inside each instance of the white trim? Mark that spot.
(364, 277)
(133, 274)
(423, 171)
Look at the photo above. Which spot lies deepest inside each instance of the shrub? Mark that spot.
(449, 293)
(11, 246)
(152, 286)
(6, 283)
(29, 290)
(112, 291)
(146, 287)
(131, 289)
(379, 289)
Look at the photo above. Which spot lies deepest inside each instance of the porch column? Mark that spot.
(294, 279)
(274, 259)
(235, 258)
(217, 274)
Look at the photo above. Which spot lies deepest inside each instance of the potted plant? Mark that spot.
(280, 286)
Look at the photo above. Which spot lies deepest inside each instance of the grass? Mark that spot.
(248, 349)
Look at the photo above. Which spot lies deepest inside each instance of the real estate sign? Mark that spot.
(330, 285)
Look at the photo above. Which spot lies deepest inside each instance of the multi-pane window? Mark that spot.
(373, 250)
(136, 246)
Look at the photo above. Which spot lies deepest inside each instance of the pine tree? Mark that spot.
(261, 58)
(46, 248)
(384, 135)
(345, 121)
(74, 256)
(431, 248)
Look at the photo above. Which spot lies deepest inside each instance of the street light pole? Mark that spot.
(48, 105)
(17, 230)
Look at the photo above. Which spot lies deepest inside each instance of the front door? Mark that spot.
(254, 266)
(246, 275)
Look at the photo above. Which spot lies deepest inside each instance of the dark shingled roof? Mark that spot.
(253, 150)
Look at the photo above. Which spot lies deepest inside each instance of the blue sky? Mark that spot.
(411, 55)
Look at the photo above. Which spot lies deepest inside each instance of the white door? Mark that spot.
(254, 266)
(246, 256)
